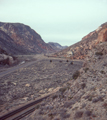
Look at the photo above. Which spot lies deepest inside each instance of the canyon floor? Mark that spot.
(82, 87)
(29, 80)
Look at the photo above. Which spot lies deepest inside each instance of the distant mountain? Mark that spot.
(57, 46)
(16, 38)
(81, 49)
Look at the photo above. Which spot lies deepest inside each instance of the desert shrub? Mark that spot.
(17, 96)
(95, 100)
(70, 97)
(68, 84)
(93, 115)
(50, 60)
(76, 75)
(68, 87)
(37, 106)
(60, 61)
(9, 83)
(83, 105)
(100, 98)
(83, 85)
(62, 90)
(61, 96)
(86, 69)
(78, 114)
(54, 97)
(56, 119)
(69, 104)
(89, 97)
(65, 115)
(88, 113)
(71, 63)
(105, 64)
(41, 112)
(98, 53)
(102, 72)
(51, 115)
(105, 105)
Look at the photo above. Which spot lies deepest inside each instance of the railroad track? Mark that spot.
(21, 112)
(26, 109)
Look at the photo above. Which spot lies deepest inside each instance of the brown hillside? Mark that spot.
(80, 49)
(16, 38)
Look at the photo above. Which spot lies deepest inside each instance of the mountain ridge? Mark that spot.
(57, 46)
(23, 39)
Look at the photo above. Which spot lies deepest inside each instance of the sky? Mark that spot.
(63, 21)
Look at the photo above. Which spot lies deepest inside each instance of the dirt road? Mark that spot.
(37, 57)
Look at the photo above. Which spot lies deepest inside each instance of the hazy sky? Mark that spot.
(62, 21)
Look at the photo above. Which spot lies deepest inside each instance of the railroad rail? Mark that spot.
(21, 112)
(29, 107)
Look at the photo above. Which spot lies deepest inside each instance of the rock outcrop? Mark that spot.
(16, 38)
(80, 49)
(6, 59)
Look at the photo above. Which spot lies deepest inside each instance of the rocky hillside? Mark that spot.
(16, 38)
(82, 94)
(80, 49)
(84, 97)
(57, 46)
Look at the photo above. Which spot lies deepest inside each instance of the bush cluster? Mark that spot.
(62, 90)
(86, 69)
(76, 75)
(98, 53)
(50, 60)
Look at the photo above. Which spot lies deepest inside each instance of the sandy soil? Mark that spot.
(31, 81)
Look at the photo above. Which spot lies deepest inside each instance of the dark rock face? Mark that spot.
(80, 49)
(16, 38)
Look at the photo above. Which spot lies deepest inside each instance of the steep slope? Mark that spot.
(84, 97)
(80, 49)
(56, 46)
(16, 38)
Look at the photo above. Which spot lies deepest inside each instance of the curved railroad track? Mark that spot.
(26, 109)
(31, 106)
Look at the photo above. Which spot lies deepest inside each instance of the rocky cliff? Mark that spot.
(16, 38)
(80, 49)
(6, 59)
